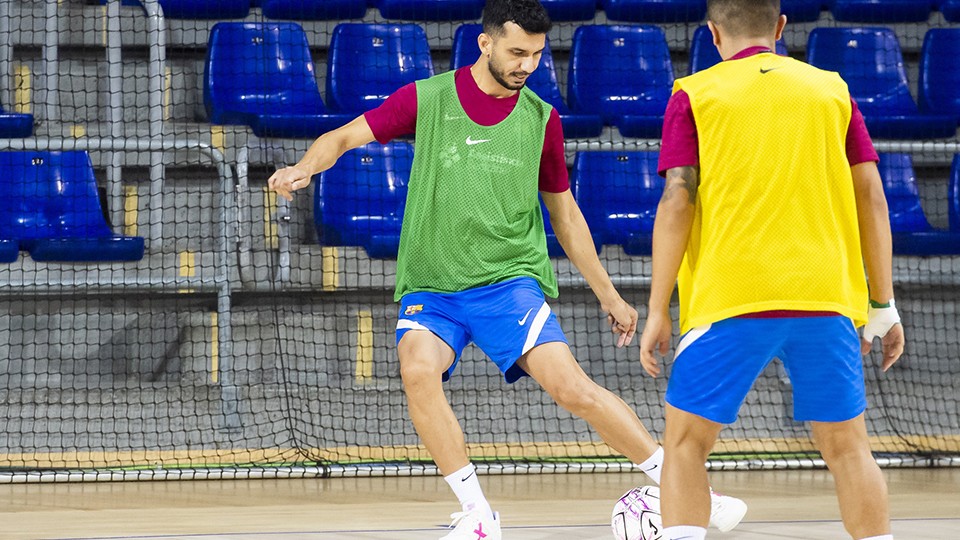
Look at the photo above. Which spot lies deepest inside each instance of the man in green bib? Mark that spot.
(473, 263)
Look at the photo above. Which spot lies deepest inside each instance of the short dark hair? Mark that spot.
(746, 18)
(529, 15)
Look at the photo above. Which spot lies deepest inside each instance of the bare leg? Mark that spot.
(685, 493)
(423, 359)
(553, 366)
(861, 488)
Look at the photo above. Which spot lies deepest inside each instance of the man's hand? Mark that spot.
(884, 323)
(623, 320)
(657, 334)
(287, 180)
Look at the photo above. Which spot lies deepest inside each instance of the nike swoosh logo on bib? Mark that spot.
(471, 142)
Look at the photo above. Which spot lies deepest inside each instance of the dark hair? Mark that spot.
(746, 18)
(527, 14)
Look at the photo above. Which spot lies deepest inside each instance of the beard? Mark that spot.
(501, 75)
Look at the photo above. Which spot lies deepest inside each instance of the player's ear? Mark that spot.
(781, 22)
(715, 33)
(486, 44)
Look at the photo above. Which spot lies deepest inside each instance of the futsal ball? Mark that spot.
(636, 516)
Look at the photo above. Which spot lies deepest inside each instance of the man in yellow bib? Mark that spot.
(772, 206)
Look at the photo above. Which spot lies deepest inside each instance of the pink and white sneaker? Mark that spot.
(474, 525)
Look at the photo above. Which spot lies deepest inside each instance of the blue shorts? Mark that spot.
(505, 320)
(717, 364)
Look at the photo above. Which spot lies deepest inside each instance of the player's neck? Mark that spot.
(487, 84)
(734, 46)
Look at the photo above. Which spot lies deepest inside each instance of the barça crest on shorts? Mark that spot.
(414, 309)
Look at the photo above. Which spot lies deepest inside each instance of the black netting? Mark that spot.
(162, 310)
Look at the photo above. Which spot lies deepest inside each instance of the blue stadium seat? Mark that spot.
(618, 193)
(314, 10)
(360, 200)
(9, 250)
(52, 208)
(801, 11)
(261, 75)
(655, 11)
(15, 125)
(431, 10)
(870, 61)
(703, 53)
(368, 62)
(939, 76)
(624, 74)
(203, 9)
(950, 9)
(881, 11)
(912, 233)
(570, 10)
(543, 82)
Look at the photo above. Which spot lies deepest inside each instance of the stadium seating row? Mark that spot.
(641, 11)
(52, 209)
(360, 201)
(619, 76)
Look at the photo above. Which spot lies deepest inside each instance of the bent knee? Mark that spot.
(422, 360)
(578, 397)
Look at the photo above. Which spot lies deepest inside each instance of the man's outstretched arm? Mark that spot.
(322, 154)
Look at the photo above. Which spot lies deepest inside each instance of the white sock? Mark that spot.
(684, 532)
(653, 466)
(881, 537)
(466, 487)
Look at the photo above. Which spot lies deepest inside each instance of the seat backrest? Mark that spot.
(617, 70)
(953, 195)
(950, 9)
(618, 192)
(704, 54)
(205, 9)
(655, 11)
(314, 10)
(49, 195)
(903, 198)
(543, 81)
(939, 76)
(798, 11)
(465, 49)
(570, 10)
(368, 62)
(259, 68)
(881, 11)
(431, 10)
(363, 194)
(870, 61)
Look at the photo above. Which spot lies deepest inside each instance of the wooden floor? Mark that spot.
(783, 505)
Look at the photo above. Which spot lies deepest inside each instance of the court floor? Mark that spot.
(925, 505)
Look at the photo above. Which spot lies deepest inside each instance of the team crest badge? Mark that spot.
(414, 309)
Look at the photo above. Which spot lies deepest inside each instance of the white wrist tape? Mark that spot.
(880, 321)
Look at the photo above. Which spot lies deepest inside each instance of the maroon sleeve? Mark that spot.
(553, 162)
(680, 146)
(859, 146)
(396, 116)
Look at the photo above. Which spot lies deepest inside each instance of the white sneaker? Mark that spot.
(474, 525)
(725, 512)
